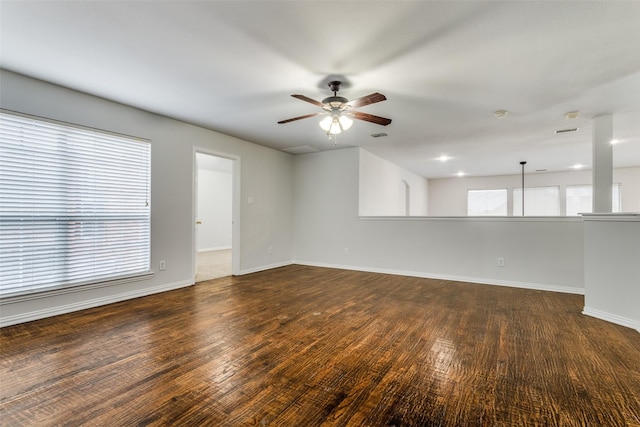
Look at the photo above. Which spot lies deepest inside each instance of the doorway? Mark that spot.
(214, 179)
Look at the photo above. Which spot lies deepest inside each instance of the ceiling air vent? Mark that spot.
(567, 130)
(379, 135)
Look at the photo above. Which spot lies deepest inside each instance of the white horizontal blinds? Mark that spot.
(487, 202)
(580, 199)
(538, 201)
(616, 198)
(74, 205)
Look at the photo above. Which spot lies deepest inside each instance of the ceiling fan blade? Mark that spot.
(370, 118)
(306, 116)
(309, 100)
(366, 100)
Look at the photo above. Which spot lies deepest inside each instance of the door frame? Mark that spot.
(235, 208)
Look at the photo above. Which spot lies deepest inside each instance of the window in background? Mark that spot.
(487, 202)
(538, 201)
(74, 205)
(580, 199)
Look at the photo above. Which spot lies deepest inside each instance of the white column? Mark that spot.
(611, 268)
(602, 163)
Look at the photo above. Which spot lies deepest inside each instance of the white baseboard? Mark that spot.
(613, 318)
(265, 267)
(217, 248)
(63, 309)
(480, 280)
(54, 311)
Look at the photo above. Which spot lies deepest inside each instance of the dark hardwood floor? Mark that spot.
(306, 346)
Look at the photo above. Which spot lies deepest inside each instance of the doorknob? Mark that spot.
(198, 222)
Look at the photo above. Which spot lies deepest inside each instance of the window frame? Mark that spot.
(82, 215)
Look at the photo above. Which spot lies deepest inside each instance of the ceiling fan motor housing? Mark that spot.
(334, 102)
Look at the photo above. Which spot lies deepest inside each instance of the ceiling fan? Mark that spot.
(339, 111)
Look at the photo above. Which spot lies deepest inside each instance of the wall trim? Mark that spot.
(54, 311)
(426, 275)
(265, 267)
(516, 219)
(95, 302)
(613, 318)
(217, 248)
(61, 290)
(618, 216)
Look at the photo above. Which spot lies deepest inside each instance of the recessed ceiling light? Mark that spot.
(500, 113)
(460, 173)
(614, 141)
(577, 166)
(443, 158)
(572, 115)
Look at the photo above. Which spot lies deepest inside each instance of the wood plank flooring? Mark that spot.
(306, 346)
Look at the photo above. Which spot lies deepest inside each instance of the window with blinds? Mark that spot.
(74, 205)
(580, 199)
(538, 201)
(487, 202)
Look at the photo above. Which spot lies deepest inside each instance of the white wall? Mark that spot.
(448, 196)
(265, 174)
(383, 187)
(539, 253)
(215, 199)
(612, 268)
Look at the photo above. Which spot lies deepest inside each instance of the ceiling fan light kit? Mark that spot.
(335, 124)
(340, 112)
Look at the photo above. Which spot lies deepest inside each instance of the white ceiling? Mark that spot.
(444, 66)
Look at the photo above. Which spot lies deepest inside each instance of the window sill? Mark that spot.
(62, 290)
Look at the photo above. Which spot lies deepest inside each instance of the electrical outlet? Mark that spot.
(163, 265)
(500, 262)
(270, 250)
(345, 251)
